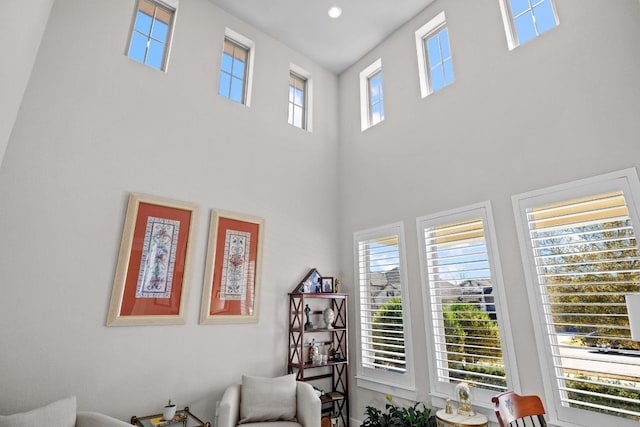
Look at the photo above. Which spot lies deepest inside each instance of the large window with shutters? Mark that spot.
(384, 345)
(466, 327)
(579, 244)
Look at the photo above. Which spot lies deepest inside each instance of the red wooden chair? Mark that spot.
(514, 410)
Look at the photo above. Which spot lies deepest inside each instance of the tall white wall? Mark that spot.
(94, 126)
(21, 26)
(560, 108)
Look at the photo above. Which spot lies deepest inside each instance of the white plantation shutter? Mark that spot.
(578, 242)
(463, 307)
(587, 259)
(382, 336)
(382, 307)
(467, 327)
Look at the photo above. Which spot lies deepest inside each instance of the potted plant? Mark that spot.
(393, 415)
(169, 411)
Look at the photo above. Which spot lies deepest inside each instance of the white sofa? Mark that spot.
(60, 414)
(272, 402)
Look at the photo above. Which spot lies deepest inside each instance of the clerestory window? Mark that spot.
(297, 100)
(151, 34)
(525, 20)
(236, 68)
(371, 95)
(435, 62)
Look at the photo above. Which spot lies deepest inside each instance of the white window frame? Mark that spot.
(421, 35)
(365, 99)
(250, 45)
(510, 26)
(397, 384)
(624, 180)
(441, 390)
(167, 4)
(308, 96)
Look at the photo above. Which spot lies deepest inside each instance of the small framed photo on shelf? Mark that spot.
(327, 285)
(311, 284)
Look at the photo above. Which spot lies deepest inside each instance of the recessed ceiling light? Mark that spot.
(335, 12)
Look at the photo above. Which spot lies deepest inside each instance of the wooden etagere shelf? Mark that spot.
(331, 376)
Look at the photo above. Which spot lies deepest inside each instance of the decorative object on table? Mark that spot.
(447, 407)
(417, 415)
(152, 276)
(233, 267)
(169, 411)
(336, 285)
(328, 316)
(327, 285)
(463, 394)
(182, 417)
(307, 311)
(163, 422)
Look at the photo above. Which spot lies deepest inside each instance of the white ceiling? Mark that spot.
(333, 43)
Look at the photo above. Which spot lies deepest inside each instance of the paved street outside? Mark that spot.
(589, 359)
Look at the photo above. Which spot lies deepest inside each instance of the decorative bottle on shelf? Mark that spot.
(314, 351)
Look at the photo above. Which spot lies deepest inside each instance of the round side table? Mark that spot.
(454, 420)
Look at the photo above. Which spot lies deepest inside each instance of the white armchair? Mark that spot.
(272, 402)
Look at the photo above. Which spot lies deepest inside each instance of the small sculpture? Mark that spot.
(308, 324)
(328, 316)
(447, 408)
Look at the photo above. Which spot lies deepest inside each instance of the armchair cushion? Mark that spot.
(57, 414)
(268, 399)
